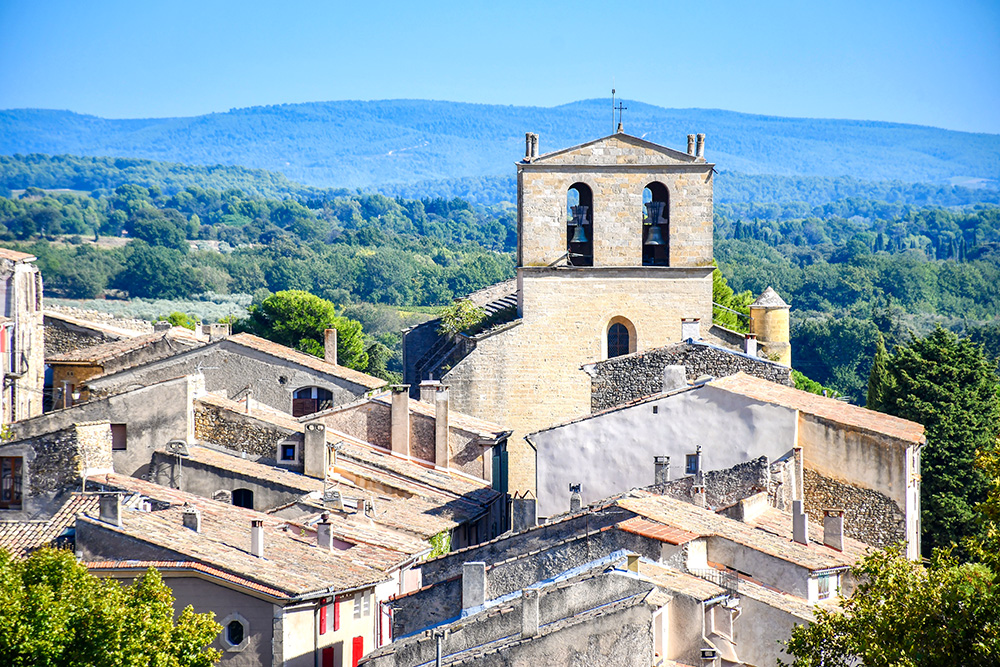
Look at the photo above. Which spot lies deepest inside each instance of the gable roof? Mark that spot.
(22, 537)
(822, 407)
(309, 361)
(104, 352)
(15, 256)
(612, 143)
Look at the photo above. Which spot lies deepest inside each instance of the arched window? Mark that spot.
(656, 225)
(308, 400)
(618, 340)
(580, 225)
(243, 498)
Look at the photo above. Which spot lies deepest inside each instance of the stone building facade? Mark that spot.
(575, 299)
(22, 336)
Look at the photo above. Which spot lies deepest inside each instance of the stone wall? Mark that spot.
(221, 427)
(871, 517)
(723, 487)
(623, 379)
(59, 339)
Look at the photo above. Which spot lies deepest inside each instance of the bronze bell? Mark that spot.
(654, 210)
(655, 236)
(579, 214)
(579, 236)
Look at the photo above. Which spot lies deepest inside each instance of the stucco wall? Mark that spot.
(613, 452)
(229, 368)
(768, 570)
(759, 630)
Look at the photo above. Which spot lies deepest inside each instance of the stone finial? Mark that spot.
(701, 146)
(691, 145)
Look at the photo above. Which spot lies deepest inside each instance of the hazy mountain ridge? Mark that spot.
(364, 144)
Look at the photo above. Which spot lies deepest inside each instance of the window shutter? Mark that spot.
(358, 649)
(336, 615)
(322, 620)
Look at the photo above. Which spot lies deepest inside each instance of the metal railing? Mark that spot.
(725, 579)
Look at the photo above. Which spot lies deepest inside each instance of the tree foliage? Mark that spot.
(299, 319)
(950, 386)
(879, 380)
(53, 612)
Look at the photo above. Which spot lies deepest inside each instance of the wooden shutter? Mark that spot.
(357, 650)
(322, 619)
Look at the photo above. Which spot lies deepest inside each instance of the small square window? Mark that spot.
(119, 439)
(656, 409)
(823, 586)
(691, 464)
(288, 452)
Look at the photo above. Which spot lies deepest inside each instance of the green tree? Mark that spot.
(298, 319)
(54, 612)
(179, 319)
(723, 295)
(950, 386)
(879, 381)
(155, 272)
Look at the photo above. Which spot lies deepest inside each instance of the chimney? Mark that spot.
(249, 398)
(833, 529)
(161, 326)
(330, 346)
(661, 469)
(399, 435)
(699, 496)
(530, 145)
(529, 612)
(427, 390)
(800, 523)
(632, 563)
(257, 538)
(111, 509)
(701, 146)
(750, 344)
(314, 450)
(324, 533)
(191, 518)
(690, 328)
(524, 513)
(691, 144)
(674, 377)
(575, 499)
(473, 585)
(442, 457)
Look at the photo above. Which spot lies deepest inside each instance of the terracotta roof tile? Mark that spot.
(15, 256)
(656, 531)
(183, 565)
(307, 360)
(22, 537)
(821, 406)
(106, 351)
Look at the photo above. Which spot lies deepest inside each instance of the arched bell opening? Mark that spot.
(580, 225)
(656, 225)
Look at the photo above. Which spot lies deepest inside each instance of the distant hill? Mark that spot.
(364, 144)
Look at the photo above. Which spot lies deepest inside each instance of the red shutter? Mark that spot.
(358, 650)
(336, 614)
(327, 657)
(322, 620)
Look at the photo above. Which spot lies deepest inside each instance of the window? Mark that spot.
(823, 587)
(656, 225)
(618, 340)
(10, 482)
(243, 498)
(357, 605)
(119, 441)
(691, 464)
(580, 225)
(235, 633)
(287, 452)
(308, 400)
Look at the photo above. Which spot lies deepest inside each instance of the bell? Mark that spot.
(579, 236)
(655, 236)
(654, 210)
(579, 215)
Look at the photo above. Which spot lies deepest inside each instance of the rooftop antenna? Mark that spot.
(612, 104)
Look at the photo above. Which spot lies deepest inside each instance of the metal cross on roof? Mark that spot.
(621, 108)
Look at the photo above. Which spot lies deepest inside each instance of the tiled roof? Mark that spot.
(106, 328)
(101, 353)
(307, 360)
(181, 565)
(779, 523)
(769, 299)
(481, 427)
(657, 531)
(292, 562)
(15, 256)
(22, 537)
(675, 580)
(705, 523)
(821, 406)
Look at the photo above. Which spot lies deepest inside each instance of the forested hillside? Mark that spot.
(363, 144)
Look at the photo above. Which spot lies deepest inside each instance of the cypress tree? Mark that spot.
(879, 377)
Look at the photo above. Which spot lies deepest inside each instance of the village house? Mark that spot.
(22, 345)
(826, 452)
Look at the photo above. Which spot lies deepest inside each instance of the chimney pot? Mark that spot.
(691, 144)
(750, 344)
(674, 377)
(161, 326)
(530, 145)
(833, 529)
(330, 346)
(191, 518)
(324, 533)
(699, 495)
(575, 499)
(529, 612)
(399, 435)
(111, 509)
(690, 328)
(661, 469)
(800, 523)
(428, 388)
(257, 538)
(473, 585)
(701, 145)
(314, 450)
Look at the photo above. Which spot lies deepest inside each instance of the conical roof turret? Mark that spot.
(769, 299)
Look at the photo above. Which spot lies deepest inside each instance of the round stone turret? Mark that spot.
(769, 320)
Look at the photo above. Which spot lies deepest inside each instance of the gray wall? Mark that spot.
(153, 415)
(229, 367)
(613, 452)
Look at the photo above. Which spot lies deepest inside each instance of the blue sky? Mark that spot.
(931, 63)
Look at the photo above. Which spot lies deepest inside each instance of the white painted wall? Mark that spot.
(613, 452)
